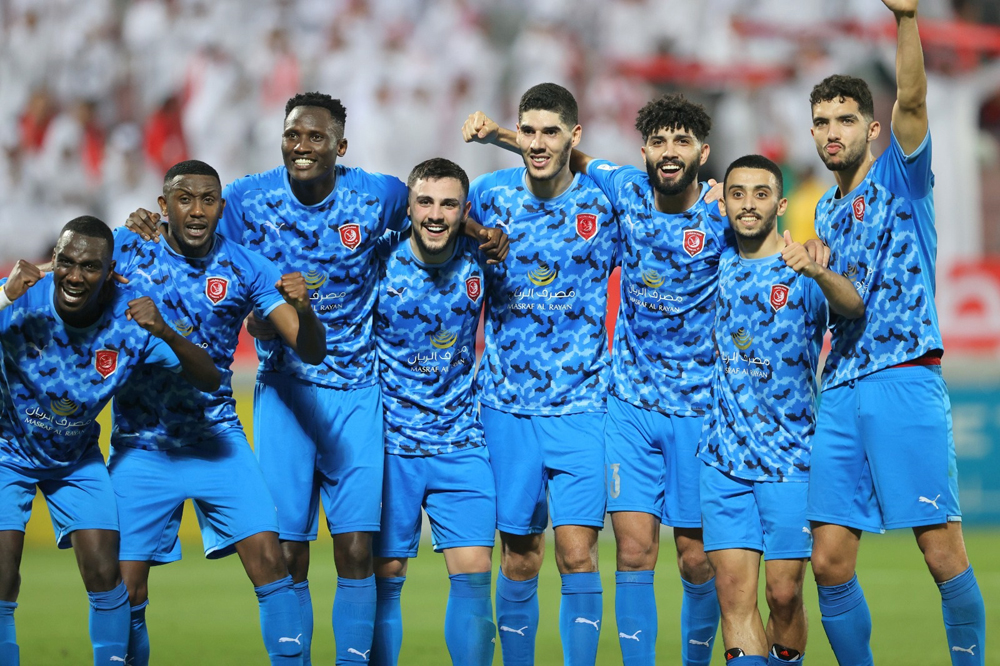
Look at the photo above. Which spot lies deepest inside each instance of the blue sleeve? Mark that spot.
(816, 303)
(476, 189)
(908, 175)
(124, 252)
(393, 193)
(5, 313)
(610, 177)
(231, 224)
(159, 353)
(264, 296)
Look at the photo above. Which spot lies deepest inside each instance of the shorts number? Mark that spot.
(615, 482)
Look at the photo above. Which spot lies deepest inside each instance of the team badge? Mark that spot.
(779, 296)
(474, 288)
(350, 235)
(858, 206)
(694, 241)
(216, 288)
(106, 362)
(586, 225)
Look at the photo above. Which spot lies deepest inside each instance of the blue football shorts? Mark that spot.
(79, 496)
(766, 516)
(537, 457)
(652, 463)
(315, 441)
(883, 455)
(220, 476)
(456, 489)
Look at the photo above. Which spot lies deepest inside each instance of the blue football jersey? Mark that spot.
(425, 329)
(769, 327)
(56, 378)
(663, 354)
(333, 244)
(546, 306)
(882, 238)
(205, 300)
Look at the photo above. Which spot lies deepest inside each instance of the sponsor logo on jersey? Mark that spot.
(474, 288)
(443, 339)
(652, 278)
(543, 275)
(858, 206)
(586, 225)
(314, 279)
(694, 241)
(64, 407)
(742, 338)
(350, 235)
(852, 272)
(779, 296)
(216, 288)
(106, 362)
(184, 327)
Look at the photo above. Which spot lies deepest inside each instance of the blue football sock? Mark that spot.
(138, 636)
(469, 631)
(388, 637)
(280, 621)
(635, 614)
(354, 619)
(699, 622)
(109, 624)
(306, 613)
(747, 660)
(580, 615)
(964, 618)
(517, 619)
(8, 639)
(847, 621)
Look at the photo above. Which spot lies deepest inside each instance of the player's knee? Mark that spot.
(10, 584)
(99, 575)
(576, 560)
(831, 568)
(636, 554)
(694, 566)
(784, 597)
(138, 591)
(352, 555)
(296, 555)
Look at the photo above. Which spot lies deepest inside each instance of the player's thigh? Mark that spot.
(516, 461)
(80, 497)
(634, 459)
(906, 421)
(150, 495)
(403, 489)
(782, 508)
(11, 549)
(682, 477)
(737, 571)
(573, 451)
(730, 515)
(461, 500)
(350, 458)
(841, 491)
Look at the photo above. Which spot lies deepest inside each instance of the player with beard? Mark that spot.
(543, 381)
(883, 454)
(770, 320)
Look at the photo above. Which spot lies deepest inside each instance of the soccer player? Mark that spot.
(171, 442)
(770, 319)
(672, 239)
(430, 294)
(69, 341)
(883, 454)
(543, 381)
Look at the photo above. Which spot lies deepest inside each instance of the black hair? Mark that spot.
(840, 87)
(757, 162)
(190, 168)
(336, 108)
(550, 97)
(437, 168)
(673, 112)
(91, 227)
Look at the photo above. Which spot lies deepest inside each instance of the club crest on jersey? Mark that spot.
(216, 288)
(858, 206)
(106, 362)
(779, 296)
(586, 225)
(474, 288)
(694, 241)
(350, 235)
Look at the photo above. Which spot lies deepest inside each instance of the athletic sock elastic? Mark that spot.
(9, 653)
(280, 621)
(517, 619)
(469, 631)
(847, 621)
(779, 655)
(388, 636)
(635, 615)
(699, 622)
(109, 624)
(306, 614)
(964, 618)
(747, 660)
(354, 619)
(138, 636)
(580, 613)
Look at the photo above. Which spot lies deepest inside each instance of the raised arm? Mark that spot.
(839, 291)
(296, 321)
(196, 365)
(909, 114)
(480, 128)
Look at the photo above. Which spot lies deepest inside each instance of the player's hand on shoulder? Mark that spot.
(495, 244)
(479, 128)
(797, 258)
(260, 329)
(292, 287)
(901, 7)
(145, 223)
(714, 191)
(24, 276)
(144, 312)
(818, 251)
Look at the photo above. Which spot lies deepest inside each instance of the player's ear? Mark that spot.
(705, 150)
(341, 147)
(577, 134)
(874, 129)
(782, 205)
(722, 207)
(163, 205)
(468, 209)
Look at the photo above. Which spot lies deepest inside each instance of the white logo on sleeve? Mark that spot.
(519, 632)
(955, 648)
(633, 637)
(583, 620)
(286, 639)
(363, 655)
(924, 500)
